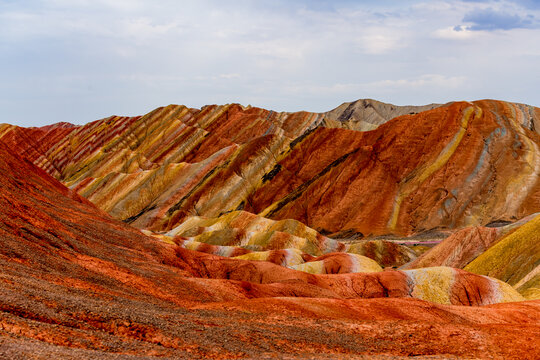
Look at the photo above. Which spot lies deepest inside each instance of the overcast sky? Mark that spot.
(82, 60)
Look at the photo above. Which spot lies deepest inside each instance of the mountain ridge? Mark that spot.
(190, 233)
(173, 140)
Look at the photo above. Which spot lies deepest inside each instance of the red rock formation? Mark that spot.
(453, 166)
(447, 167)
(338, 263)
(77, 283)
(34, 143)
(443, 285)
(385, 253)
(510, 253)
(459, 249)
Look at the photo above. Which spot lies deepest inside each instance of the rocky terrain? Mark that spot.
(239, 232)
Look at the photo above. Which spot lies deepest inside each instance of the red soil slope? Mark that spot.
(76, 283)
(456, 165)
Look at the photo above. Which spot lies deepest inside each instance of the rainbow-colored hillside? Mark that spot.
(168, 233)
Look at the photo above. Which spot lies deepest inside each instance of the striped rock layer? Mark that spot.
(339, 263)
(453, 166)
(442, 285)
(510, 253)
(244, 229)
(457, 165)
(86, 239)
(344, 262)
(239, 232)
(515, 259)
(76, 283)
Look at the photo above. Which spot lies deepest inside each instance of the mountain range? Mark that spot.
(233, 232)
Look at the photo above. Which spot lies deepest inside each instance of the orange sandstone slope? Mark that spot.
(510, 253)
(455, 165)
(77, 283)
(138, 169)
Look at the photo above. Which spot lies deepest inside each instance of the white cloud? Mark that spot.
(426, 82)
(143, 28)
(130, 56)
(229, 76)
(380, 41)
(455, 33)
(429, 81)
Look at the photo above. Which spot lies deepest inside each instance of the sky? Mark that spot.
(83, 60)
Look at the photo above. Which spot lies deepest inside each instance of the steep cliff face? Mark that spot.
(452, 166)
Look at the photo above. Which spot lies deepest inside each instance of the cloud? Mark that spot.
(459, 32)
(388, 86)
(423, 81)
(528, 4)
(380, 41)
(78, 60)
(490, 19)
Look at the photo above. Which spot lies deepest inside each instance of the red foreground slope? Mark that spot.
(76, 283)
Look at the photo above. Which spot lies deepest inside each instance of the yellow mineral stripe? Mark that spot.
(432, 284)
(512, 257)
(520, 184)
(363, 264)
(313, 267)
(407, 186)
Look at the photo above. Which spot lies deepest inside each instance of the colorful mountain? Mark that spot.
(445, 168)
(510, 253)
(77, 283)
(437, 169)
(231, 232)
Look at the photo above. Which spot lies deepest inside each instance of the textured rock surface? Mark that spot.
(333, 263)
(172, 162)
(385, 253)
(513, 258)
(368, 114)
(339, 263)
(448, 167)
(439, 284)
(290, 242)
(77, 283)
(240, 228)
(510, 253)
(456, 165)
(285, 257)
(459, 249)
(529, 286)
